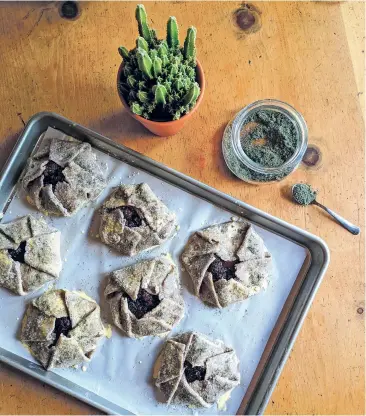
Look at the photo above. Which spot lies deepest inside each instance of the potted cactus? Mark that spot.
(159, 82)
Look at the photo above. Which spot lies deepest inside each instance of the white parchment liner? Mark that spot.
(121, 369)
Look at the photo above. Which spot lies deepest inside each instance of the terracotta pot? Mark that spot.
(167, 128)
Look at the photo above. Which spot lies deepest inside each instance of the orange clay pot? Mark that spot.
(167, 128)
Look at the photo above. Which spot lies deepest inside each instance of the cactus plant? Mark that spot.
(158, 79)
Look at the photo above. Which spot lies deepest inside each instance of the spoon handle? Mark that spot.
(344, 223)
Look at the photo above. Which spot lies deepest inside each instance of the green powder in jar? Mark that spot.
(303, 193)
(238, 168)
(269, 138)
(259, 145)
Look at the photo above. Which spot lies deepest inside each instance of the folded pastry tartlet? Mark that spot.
(29, 254)
(62, 328)
(227, 262)
(63, 176)
(134, 220)
(196, 371)
(145, 298)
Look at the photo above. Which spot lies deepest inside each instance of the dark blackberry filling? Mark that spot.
(194, 373)
(144, 303)
(221, 269)
(18, 253)
(130, 215)
(62, 326)
(52, 174)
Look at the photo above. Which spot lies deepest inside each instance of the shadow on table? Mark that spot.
(119, 126)
(219, 160)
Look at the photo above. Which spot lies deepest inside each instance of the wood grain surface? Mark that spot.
(301, 54)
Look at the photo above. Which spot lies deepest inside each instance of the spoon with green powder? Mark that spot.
(303, 194)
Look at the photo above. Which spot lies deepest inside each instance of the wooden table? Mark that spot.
(308, 54)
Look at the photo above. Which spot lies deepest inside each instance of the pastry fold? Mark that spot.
(63, 176)
(62, 328)
(235, 245)
(195, 370)
(153, 222)
(145, 298)
(29, 254)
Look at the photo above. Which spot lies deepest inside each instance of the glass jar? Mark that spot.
(245, 168)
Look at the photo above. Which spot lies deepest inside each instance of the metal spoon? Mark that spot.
(343, 222)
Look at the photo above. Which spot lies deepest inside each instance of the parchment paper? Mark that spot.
(121, 370)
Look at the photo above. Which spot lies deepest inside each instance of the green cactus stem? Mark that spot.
(136, 108)
(151, 107)
(162, 50)
(131, 81)
(168, 86)
(178, 84)
(176, 115)
(141, 18)
(165, 60)
(160, 94)
(157, 66)
(141, 43)
(153, 53)
(189, 50)
(172, 36)
(158, 78)
(143, 96)
(153, 36)
(141, 85)
(191, 95)
(127, 69)
(191, 72)
(174, 69)
(123, 52)
(145, 63)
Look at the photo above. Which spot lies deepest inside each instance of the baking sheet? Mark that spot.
(121, 369)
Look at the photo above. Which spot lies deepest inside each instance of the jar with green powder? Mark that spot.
(265, 141)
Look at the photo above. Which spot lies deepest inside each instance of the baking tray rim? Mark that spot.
(266, 382)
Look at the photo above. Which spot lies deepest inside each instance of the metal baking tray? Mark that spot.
(293, 313)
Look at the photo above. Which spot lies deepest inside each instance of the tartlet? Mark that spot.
(62, 328)
(145, 298)
(29, 254)
(227, 263)
(196, 371)
(133, 220)
(63, 175)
